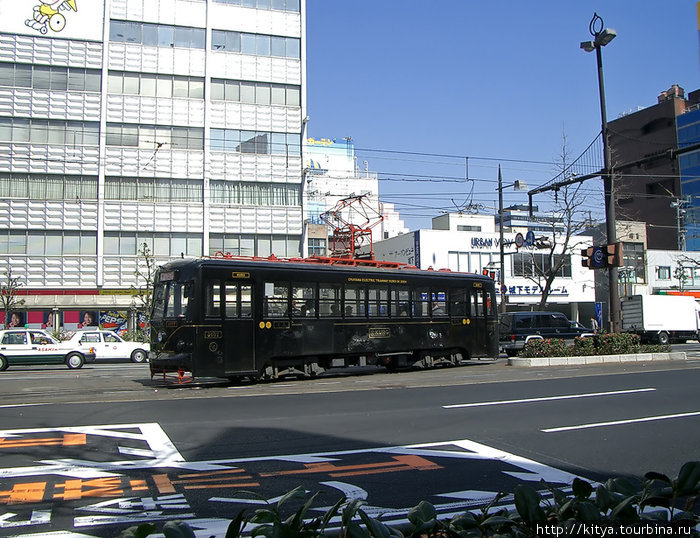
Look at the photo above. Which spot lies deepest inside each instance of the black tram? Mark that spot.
(266, 318)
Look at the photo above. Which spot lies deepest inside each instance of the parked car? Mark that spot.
(34, 346)
(515, 328)
(109, 345)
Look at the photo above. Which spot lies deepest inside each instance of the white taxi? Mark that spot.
(34, 346)
(109, 345)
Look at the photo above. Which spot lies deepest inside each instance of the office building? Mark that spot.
(653, 175)
(171, 123)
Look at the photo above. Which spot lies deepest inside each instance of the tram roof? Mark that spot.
(321, 263)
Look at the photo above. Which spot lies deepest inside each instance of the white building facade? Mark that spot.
(471, 244)
(174, 123)
(332, 174)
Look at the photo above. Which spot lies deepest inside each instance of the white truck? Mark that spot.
(661, 318)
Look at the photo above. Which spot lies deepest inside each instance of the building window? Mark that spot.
(48, 243)
(532, 264)
(663, 272)
(259, 93)
(159, 244)
(317, 247)
(150, 85)
(156, 35)
(258, 194)
(43, 77)
(153, 190)
(155, 136)
(53, 132)
(256, 44)
(282, 246)
(261, 143)
(633, 262)
(277, 5)
(48, 187)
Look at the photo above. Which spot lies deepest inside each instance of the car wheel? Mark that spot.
(75, 361)
(663, 338)
(3, 364)
(139, 355)
(511, 352)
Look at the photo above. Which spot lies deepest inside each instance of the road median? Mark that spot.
(596, 359)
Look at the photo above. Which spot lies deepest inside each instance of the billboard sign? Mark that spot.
(69, 19)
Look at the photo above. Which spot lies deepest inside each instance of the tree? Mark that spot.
(680, 274)
(8, 295)
(144, 273)
(566, 220)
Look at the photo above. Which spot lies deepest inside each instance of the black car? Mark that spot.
(516, 327)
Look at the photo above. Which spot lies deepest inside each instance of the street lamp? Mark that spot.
(518, 186)
(601, 37)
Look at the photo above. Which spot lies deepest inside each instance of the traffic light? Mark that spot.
(593, 257)
(598, 257)
(489, 273)
(613, 254)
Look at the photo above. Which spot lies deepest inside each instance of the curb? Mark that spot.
(596, 359)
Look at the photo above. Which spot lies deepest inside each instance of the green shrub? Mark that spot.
(584, 346)
(615, 344)
(599, 344)
(540, 347)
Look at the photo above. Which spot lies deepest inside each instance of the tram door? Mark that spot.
(237, 323)
(478, 308)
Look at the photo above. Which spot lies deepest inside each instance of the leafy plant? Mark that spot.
(599, 344)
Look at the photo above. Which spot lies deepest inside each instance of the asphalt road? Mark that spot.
(93, 451)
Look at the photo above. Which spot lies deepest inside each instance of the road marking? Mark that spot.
(620, 422)
(21, 405)
(548, 398)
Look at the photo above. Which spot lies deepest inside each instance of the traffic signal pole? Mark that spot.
(613, 291)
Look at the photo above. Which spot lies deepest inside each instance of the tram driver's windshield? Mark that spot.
(171, 300)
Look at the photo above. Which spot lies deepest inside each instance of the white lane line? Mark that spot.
(619, 422)
(549, 398)
(7, 406)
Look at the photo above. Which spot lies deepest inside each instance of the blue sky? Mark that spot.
(498, 82)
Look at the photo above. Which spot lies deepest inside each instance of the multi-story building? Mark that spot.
(171, 123)
(655, 174)
(471, 244)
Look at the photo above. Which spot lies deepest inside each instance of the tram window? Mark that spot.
(276, 301)
(458, 302)
(213, 298)
(438, 304)
(329, 300)
(231, 299)
(477, 300)
(246, 300)
(490, 303)
(178, 300)
(159, 296)
(303, 300)
(421, 303)
(355, 301)
(378, 303)
(400, 302)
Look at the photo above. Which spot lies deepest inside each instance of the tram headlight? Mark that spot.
(161, 336)
(180, 346)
